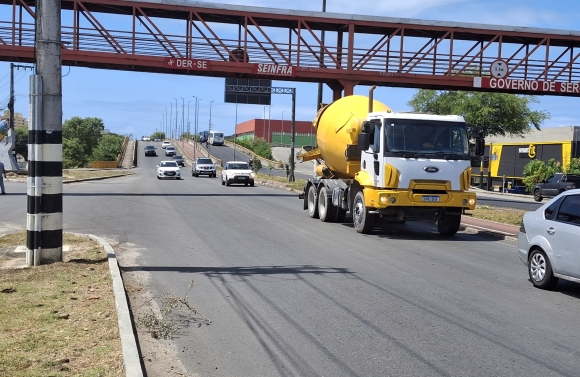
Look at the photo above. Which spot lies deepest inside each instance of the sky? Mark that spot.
(131, 103)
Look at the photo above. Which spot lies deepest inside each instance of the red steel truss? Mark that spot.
(234, 41)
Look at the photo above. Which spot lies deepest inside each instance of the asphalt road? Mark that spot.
(292, 296)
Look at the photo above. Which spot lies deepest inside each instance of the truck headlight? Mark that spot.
(252, 175)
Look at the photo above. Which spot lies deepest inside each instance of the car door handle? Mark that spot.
(551, 231)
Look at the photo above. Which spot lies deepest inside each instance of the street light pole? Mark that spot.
(268, 138)
(209, 128)
(195, 116)
(176, 112)
(188, 130)
(282, 133)
(170, 121)
(321, 65)
(182, 117)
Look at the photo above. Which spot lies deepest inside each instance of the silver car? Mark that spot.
(549, 241)
(203, 165)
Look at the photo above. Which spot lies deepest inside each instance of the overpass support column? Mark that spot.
(348, 87)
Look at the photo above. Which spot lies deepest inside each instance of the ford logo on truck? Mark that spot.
(431, 169)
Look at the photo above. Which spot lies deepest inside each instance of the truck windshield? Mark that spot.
(425, 137)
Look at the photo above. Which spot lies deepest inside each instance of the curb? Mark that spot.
(480, 231)
(131, 358)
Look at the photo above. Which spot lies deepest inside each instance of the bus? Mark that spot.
(215, 138)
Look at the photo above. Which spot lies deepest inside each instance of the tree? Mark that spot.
(158, 135)
(537, 171)
(574, 167)
(498, 113)
(21, 146)
(79, 137)
(109, 148)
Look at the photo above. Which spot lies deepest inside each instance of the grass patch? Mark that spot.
(59, 319)
(298, 184)
(74, 174)
(498, 214)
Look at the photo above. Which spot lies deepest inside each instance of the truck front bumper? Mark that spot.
(382, 199)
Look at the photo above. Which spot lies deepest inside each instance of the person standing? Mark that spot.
(2, 176)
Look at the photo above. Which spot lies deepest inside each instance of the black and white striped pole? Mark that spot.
(44, 214)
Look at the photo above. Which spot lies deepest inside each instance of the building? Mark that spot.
(509, 155)
(278, 132)
(19, 121)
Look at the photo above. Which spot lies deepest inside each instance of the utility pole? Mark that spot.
(44, 212)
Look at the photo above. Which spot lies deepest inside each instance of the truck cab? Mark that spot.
(418, 166)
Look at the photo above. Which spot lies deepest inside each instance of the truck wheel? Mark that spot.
(312, 205)
(448, 225)
(326, 210)
(363, 221)
(537, 195)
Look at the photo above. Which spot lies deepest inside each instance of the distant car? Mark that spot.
(156, 139)
(150, 150)
(179, 160)
(170, 151)
(168, 169)
(165, 144)
(237, 172)
(203, 165)
(146, 138)
(549, 238)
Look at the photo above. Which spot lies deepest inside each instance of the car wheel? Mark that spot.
(223, 183)
(158, 177)
(537, 195)
(227, 182)
(448, 225)
(540, 270)
(252, 184)
(363, 220)
(312, 202)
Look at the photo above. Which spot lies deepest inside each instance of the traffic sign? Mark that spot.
(499, 69)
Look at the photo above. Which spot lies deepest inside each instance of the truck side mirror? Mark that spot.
(479, 146)
(364, 141)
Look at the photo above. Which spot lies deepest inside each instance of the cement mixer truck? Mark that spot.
(387, 167)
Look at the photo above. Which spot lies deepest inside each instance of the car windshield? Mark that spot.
(169, 148)
(150, 147)
(169, 164)
(204, 161)
(177, 157)
(238, 166)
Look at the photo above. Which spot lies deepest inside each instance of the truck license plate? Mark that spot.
(430, 198)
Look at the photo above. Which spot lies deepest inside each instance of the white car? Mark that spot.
(170, 151)
(237, 172)
(165, 144)
(203, 165)
(549, 238)
(168, 169)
